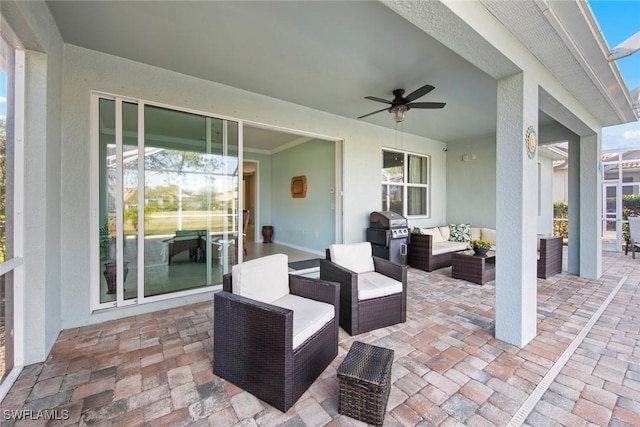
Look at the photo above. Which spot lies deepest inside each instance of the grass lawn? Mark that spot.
(160, 223)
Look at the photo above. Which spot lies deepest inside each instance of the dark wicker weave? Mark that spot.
(178, 246)
(358, 317)
(365, 382)
(466, 265)
(420, 256)
(550, 261)
(253, 343)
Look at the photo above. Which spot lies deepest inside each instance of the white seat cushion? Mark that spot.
(356, 257)
(375, 285)
(449, 246)
(309, 316)
(263, 279)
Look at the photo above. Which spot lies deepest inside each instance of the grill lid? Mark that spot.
(387, 219)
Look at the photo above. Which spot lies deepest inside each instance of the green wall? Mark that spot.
(307, 222)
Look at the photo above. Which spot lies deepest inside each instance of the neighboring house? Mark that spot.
(214, 81)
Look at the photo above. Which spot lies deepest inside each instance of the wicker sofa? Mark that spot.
(549, 256)
(432, 249)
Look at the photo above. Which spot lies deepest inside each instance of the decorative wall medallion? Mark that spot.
(299, 186)
(531, 142)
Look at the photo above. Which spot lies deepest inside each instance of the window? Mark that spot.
(405, 183)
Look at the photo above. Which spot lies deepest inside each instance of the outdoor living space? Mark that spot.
(449, 369)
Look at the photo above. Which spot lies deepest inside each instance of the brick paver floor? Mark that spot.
(156, 369)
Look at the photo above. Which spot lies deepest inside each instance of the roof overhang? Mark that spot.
(566, 38)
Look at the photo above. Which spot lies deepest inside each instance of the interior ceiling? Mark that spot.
(320, 54)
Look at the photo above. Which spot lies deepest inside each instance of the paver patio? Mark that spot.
(156, 369)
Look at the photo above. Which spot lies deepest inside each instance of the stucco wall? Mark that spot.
(471, 178)
(87, 70)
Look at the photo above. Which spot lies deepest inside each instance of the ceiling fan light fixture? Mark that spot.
(398, 112)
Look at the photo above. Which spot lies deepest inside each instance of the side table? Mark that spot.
(365, 382)
(480, 269)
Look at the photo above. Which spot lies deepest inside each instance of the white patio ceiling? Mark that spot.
(327, 55)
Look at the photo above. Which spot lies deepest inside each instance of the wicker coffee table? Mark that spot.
(365, 382)
(466, 265)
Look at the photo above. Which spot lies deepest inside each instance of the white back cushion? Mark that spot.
(445, 232)
(356, 257)
(489, 235)
(475, 233)
(263, 279)
(434, 232)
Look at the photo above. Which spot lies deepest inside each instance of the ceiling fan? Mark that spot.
(400, 105)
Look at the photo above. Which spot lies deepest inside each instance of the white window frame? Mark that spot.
(405, 184)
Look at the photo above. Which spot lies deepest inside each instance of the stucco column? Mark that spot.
(573, 263)
(516, 211)
(590, 207)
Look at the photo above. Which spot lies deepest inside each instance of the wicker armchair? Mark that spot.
(550, 256)
(360, 311)
(634, 235)
(255, 342)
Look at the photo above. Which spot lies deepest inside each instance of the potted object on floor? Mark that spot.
(267, 233)
(110, 275)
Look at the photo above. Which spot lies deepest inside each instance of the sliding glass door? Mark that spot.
(168, 200)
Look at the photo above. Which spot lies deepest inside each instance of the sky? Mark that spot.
(618, 20)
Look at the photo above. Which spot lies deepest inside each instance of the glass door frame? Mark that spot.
(94, 200)
(617, 214)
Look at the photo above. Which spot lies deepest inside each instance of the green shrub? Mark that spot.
(560, 222)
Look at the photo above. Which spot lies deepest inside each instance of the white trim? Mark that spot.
(256, 201)
(300, 248)
(6, 385)
(289, 130)
(240, 145)
(338, 200)
(405, 184)
(141, 224)
(94, 191)
(11, 264)
(16, 264)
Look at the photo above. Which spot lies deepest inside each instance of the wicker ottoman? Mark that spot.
(365, 382)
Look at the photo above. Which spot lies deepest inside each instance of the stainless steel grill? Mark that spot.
(389, 234)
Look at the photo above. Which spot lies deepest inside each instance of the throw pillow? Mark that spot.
(460, 232)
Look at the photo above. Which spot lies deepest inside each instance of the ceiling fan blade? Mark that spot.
(375, 98)
(375, 112)
(427, 104)
(419, 93)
